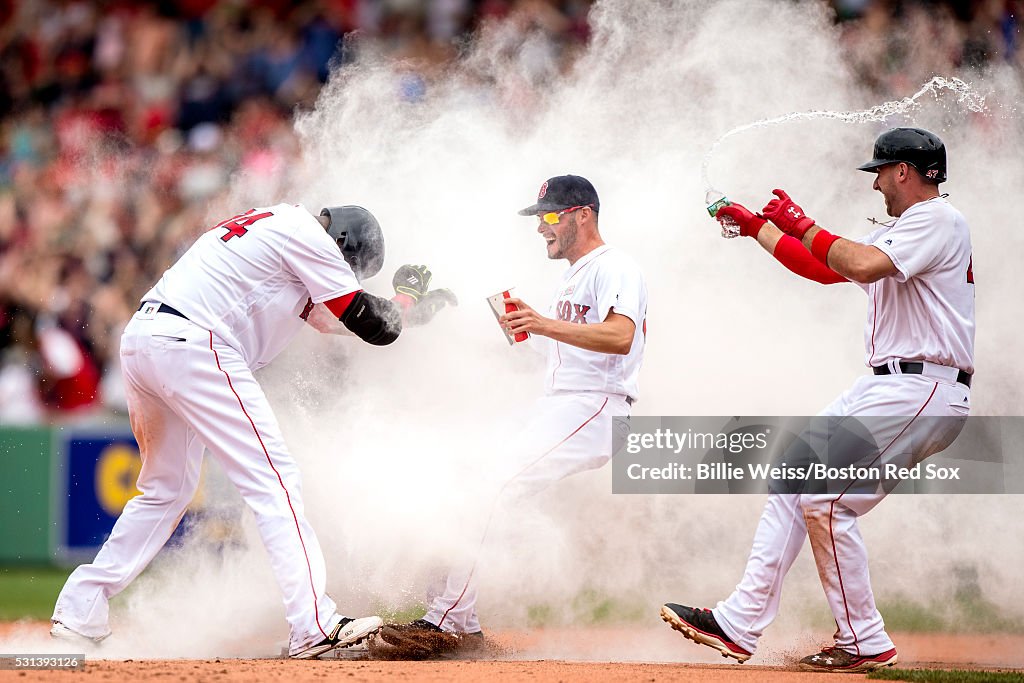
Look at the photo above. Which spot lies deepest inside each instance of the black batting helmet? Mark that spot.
(915, 146)
(359, 237)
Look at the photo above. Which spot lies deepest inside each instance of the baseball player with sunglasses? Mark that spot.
(594, 335)
(228, 306)
(919, 279)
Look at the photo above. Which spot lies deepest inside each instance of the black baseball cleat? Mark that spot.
(699, 625)
(424, 625)
(421, 639)
(347, 632)
(420, 624)
(832, 659)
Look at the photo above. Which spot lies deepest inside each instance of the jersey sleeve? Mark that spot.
(619, 284)
(871, 236)
(914, 243)
(313, 257)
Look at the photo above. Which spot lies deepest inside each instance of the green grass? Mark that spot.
(402, 615)
(903, 614)
(29, 592)
(944, 676)
(968, 612)
(588, 608)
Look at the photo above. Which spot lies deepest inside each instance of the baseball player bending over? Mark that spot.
(229, 305)
(917, 274)
(594, 337)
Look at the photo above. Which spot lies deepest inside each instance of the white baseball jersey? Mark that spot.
(245, 288)
(570, 430)
(926, 311)
(603, 280)
(253, 278)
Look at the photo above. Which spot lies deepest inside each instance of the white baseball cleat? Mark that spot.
(347, 632)
(61, 632)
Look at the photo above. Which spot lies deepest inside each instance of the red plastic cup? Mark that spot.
(520, 336)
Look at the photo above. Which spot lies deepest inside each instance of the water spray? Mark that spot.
(966, 96)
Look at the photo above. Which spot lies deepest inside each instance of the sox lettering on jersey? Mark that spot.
(571, 426)
(569, 312)
(603, 281)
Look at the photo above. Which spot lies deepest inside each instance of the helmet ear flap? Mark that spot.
(358, 236)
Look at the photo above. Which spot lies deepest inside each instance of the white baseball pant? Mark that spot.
(567, 433)
(186, 390)
(900, 406)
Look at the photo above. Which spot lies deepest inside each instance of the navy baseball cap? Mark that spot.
(562, 192)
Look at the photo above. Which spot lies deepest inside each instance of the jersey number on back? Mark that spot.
(239, 225)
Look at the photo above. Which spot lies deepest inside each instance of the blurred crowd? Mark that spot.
(896, 45)
(124, 122)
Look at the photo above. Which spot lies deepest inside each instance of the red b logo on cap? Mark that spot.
(543, 190)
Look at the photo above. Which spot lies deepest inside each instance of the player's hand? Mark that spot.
(786, 214)
(750, 223)
(523, 319)
(412, 281)
(424, 310)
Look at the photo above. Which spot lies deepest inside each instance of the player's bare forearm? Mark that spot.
(768, 237)
(607, 337)
(862, 263)
(325, 322)
(614, 335)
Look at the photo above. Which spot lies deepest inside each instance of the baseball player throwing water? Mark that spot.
(230, 304)
(594, 337)
(918, 276)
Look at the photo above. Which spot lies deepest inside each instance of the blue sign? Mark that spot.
(96, 472)
(99, 479)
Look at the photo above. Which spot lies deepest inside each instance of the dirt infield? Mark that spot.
(537, 671)
(543, 671)
(294, 672)
(541, 656)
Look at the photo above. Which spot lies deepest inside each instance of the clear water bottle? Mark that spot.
(716, 200)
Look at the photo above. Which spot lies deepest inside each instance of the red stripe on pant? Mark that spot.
(832, 505)
(302, 542)
(498, 497)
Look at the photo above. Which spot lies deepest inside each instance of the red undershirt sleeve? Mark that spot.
(339, 305)
(792, 254)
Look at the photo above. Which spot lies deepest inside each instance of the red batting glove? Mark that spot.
(750, 223)
(785, 213)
